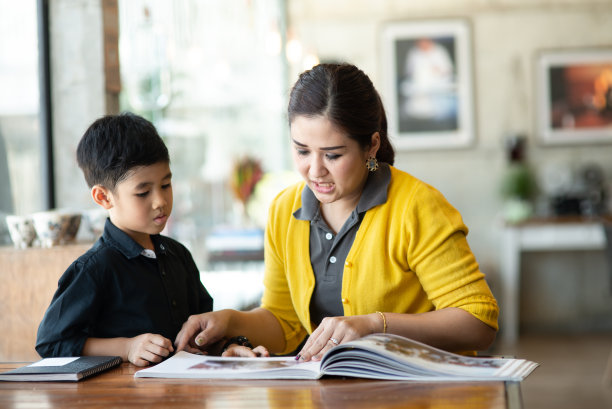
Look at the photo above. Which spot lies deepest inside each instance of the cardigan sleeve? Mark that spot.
(277, 296)
(440, 256)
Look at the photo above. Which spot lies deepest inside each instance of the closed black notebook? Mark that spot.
(62, 369)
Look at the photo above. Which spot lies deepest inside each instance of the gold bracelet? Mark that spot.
(384, 322)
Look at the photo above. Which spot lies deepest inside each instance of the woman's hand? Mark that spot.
(202, 331)
(235, 350)
(336, 330)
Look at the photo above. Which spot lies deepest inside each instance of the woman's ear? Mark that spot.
(102, 196)
(374, 145)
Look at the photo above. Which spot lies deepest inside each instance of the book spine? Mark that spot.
(100, 368)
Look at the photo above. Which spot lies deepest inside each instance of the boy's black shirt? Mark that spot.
(114, 291)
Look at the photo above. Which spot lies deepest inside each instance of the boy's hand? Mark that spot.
(146, 349)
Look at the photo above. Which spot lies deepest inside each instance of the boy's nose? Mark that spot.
(159, 201)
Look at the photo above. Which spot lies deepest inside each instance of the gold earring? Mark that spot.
(372, 164)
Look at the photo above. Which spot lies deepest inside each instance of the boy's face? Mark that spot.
(142, 202)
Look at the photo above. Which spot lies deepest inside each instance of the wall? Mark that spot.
(506, 37)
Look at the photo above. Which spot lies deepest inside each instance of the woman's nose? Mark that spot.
(317, 167)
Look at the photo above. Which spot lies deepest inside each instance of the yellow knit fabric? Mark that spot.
(410, 255)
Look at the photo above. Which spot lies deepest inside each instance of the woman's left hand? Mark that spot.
(337, 330)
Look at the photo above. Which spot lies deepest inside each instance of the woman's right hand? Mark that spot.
(202, 331)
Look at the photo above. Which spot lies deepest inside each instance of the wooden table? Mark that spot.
(117, 388)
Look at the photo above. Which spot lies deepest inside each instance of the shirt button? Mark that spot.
(164, 273)
(345, 301)
(329, 236)
(174, 303)
(332, 259)
(348, 264)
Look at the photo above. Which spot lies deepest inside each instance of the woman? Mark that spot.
(359, 246)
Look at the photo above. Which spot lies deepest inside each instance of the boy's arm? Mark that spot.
(141, 350)
(63, 329)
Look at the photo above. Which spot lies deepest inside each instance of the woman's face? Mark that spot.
(330, 162)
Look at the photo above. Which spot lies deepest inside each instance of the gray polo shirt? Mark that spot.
(328, 251)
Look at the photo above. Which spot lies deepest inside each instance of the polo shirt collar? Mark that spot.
(374, 193)
(375, 190)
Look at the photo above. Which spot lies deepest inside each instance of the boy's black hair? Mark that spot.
(115, 144)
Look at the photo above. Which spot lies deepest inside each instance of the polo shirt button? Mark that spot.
(329, 236)
(332, 259)
(345, 301)
(348, 264)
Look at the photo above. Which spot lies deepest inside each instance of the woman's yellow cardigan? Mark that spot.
(410, 255)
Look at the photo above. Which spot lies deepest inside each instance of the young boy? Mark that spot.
(131, 292)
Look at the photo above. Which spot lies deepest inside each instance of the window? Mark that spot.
(21, 179)
(211, 75)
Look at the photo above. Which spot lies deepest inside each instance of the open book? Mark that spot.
(376, 356)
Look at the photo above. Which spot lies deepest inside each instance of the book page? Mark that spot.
(55, 361)
(388, 356)
(186, 365)
(376, 356)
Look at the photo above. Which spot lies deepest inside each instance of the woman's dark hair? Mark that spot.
(115, 144)
(346, 96)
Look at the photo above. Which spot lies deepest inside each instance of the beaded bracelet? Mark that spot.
(384, 322)
(239, 340)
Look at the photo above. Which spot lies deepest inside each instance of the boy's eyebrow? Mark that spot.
(328, 148)
(146, 184)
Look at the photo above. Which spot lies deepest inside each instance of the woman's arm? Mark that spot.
(451, 329)
(259, 325)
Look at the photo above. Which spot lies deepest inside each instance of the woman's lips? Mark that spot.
(323, 187)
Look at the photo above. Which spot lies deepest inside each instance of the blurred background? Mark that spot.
(529, 77)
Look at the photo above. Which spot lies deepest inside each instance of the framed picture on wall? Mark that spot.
(427, 74)
(574, 96)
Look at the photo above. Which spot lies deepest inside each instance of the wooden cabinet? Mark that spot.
(29, 280)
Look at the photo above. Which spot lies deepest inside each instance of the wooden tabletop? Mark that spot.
(117, 388)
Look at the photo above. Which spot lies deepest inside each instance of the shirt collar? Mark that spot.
(148, 253)
(125, 244)
(374, 193)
